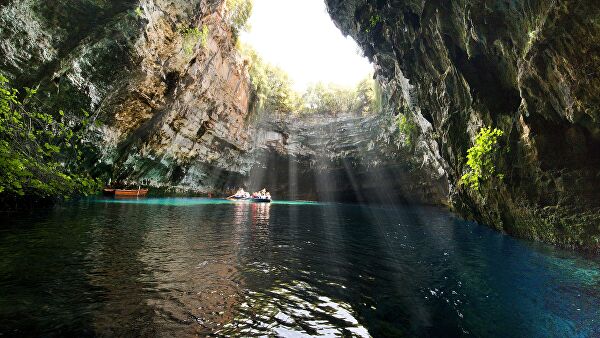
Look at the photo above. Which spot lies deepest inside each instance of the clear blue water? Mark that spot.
(184, 267)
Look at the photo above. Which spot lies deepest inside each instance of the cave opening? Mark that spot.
(300, 38)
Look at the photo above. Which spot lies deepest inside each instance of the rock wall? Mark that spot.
(529, 68)
(338, 158)
(170, 105)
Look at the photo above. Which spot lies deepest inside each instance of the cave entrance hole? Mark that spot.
(324, 149)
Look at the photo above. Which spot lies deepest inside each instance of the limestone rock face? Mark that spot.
(529, 68)
(339, 158)
(170, 102)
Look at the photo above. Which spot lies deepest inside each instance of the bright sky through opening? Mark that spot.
(299, 37)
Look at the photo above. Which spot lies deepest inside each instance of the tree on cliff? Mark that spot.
(275, 93)
(334, 99)
(272, 86)
(237, 14)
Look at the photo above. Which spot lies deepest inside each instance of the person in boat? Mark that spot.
(241, 193)
(262, 194)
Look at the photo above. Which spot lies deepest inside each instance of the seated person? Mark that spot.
(240, 193)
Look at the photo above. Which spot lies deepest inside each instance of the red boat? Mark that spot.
(126, 192)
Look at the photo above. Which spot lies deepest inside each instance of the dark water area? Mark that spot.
(185, 267)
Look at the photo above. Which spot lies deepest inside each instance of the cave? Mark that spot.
(289, 168)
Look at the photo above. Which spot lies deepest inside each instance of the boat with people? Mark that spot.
(240, 194)
(262, 196)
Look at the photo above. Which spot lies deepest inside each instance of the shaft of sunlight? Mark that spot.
(292, 178)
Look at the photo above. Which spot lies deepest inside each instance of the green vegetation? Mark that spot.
(237, 14)
(481, 158)
(275, 93)
(191, 37)
(373, 21)
(533, 37)
(333, 99)
(408, 128)
(274, 90)
(40, 156)
(271, 85)
(139, 12)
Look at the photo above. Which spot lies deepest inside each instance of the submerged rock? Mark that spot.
(528, 68)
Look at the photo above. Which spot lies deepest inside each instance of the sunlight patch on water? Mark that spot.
(296, 310)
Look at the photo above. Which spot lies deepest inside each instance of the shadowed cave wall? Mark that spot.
(529, 68)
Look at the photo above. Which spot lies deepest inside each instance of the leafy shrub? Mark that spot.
(373, 21)
(481, 158)
(39, 155)
(408, 128)
(191, 37)
(139, 12)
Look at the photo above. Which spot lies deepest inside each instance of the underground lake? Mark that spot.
(191, 266)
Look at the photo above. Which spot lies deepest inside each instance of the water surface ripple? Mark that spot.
(186, 267)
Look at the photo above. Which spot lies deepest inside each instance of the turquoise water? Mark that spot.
(187, 266)
(182, 202)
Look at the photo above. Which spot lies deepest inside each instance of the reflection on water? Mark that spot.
(188, 267)
(261, 212)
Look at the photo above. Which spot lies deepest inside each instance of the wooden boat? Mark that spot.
(131, 193)
(250, 199)
(126, 192)
(108, 192)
